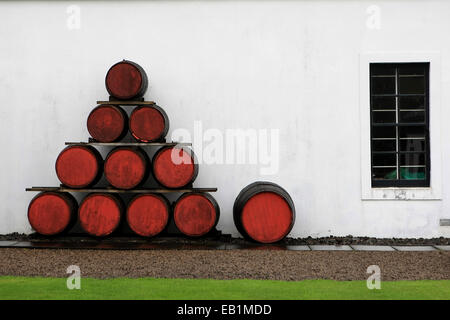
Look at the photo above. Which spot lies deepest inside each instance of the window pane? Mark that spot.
(412, 145)
(383, 103)
(383, 132)
(412, 116)
(377, 69)
(412, 173)
(412, 159)
(383, 117)
(383, 85)
(411, 69)
(417, 102)
(383, 145)
(411, 85)
(384, 173)
(384, 159)
(413, 131)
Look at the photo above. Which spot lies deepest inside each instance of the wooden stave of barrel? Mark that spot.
(70, 168)
(49, 218)
(153, 116)
(107, 123)
(121, 75)
(264, 188)
(200, 228)
(166, 176)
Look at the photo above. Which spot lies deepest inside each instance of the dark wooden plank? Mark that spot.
(111, 190)
(137, 144)
(127, 103)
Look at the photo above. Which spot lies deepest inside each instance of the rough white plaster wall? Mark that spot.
(291, 65)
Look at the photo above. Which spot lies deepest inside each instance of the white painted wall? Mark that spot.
(291, 65)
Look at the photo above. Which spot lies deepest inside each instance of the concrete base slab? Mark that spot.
(330, 248)
(372, 248)
(298, 248)
(415, 248)
(445, 248)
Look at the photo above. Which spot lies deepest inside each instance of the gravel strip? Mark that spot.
(226, 264)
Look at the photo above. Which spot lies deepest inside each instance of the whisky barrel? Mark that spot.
(126, 80)
(149, 123)
(126, 167)
(148, 214)
(100, 213)
(52, 213)
(175, 167)
(107, 123)
(264, 212)
(79, 166)
(196, 214)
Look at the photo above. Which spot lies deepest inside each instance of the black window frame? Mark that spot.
(398, 182)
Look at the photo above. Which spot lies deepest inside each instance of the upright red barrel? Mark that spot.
(100, 213)
(196, 214)
(107, 123)
(79, 166)
(175, 167)
(264, 212)
(52, 213)
(149, 123)
(126, 167)
(126, 80)
(148, 214)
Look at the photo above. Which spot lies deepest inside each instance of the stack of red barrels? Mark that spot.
(126, 168)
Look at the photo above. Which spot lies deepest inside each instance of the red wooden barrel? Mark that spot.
(126, 80)
(175, 167)
(126, 167)
(149, 123)
(107, 123)
(264, 212)
(79, 166)
(196, 214)
(148, 214)
(51, 213)
(100, 213)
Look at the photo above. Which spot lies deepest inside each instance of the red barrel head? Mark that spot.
(148, 214)
(78, 166)
(126, 168)
(51, 213)
(107, 123)
(174, 167)
(99, 214)
(196, 214)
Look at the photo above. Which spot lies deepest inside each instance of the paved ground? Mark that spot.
(226, 264)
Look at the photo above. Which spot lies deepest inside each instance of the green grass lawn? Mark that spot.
(166, 289)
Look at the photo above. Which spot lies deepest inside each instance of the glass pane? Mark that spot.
(386, 159)
(384, 173)
(412, 116)
(412, 159)
(377, 69)
(411, 85)
(413, 131)
(383, 85)
(412, 173)
(383, 103)
(383, 116)
(383, 132)
(411, 102)
(412, 145)
(383, 145)
(412, 69)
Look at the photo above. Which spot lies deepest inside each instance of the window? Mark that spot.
(399, 115)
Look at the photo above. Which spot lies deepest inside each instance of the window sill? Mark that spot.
(405, 194)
